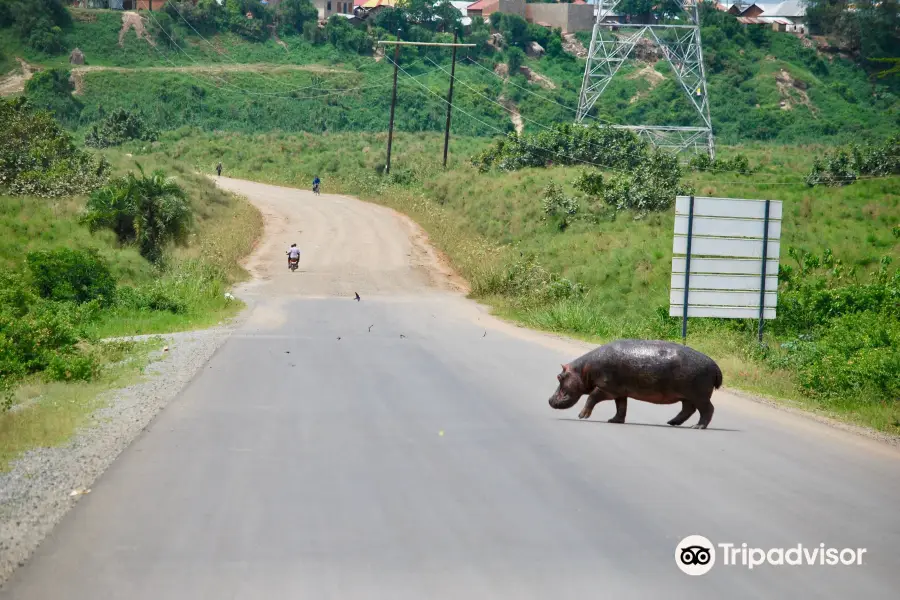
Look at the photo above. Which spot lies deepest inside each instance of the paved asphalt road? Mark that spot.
(314, 458)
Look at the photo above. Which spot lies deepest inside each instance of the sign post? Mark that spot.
(725, 257)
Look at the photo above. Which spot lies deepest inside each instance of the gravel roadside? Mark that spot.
(37, 491)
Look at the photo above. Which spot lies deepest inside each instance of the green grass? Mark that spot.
(488, 222)
(225, 229)
(28, 224)
(48, 414)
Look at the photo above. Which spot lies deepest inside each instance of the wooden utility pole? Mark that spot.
(397, 44)
(387, 169)
(450, 100)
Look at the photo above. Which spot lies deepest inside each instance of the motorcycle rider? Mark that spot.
(293, 252)
(316, 184)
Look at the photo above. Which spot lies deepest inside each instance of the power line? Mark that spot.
(533, 93)
(597, 165)
(504, 133)
(494, 101)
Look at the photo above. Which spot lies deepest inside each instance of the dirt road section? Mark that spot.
(346, 247)
(14, 82)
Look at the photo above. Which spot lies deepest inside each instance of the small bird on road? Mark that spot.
(357, 296)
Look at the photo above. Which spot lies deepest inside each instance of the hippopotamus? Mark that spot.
(653, 371)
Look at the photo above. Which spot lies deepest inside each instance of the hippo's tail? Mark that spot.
(717, 382)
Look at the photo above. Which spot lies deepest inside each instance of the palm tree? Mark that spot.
(162, 212)
(151, 211)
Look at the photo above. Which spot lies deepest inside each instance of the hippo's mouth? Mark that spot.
(562, 401)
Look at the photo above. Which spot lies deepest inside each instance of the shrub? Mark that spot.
(71, 276)
(206, 16)
(52, 89)
(149, 211)
(72, 367)
(151, 298)
(843, 334)
(293, 15)
(515, 58)
(651, 187)
(737, 164)
(38, 23)
(15, 295)
(38, 158)
(565, 144)
(119, 127)
(28, 343)
(345, 36)
(845, 165)
(559, 207)
(526, 283)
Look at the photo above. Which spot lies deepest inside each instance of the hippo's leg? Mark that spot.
(592, 400)
(687, 409)
(706, 412)
(621, 407)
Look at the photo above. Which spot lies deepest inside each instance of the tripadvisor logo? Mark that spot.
(696, 555)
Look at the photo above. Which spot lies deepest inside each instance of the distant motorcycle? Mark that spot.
(293, 263)
(316, 189)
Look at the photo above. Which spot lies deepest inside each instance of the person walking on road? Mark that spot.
(219, 169)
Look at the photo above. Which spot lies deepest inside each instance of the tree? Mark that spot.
(392, 19)
(149, 211)
(870, 28)
(39, 158)
(39, 23)
(292, 15)
(52, 89)
(515, 59)
(448, 17)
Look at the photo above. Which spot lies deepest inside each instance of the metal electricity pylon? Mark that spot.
(611, 45)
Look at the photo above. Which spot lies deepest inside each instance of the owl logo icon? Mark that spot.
(695, 555)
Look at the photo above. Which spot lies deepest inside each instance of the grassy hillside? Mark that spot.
(764, 85)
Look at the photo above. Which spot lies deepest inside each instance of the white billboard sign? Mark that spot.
(718, 252)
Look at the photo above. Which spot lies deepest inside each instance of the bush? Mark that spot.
(71, 276)
(559, 207)
(565, 144)
(515, 58)
(52, 89)
(46, 333)
(15, 296)
(149, 211)
(293, 15)
(206, 16)
(526, 283)
(345, 36)
(72, 367)
(843, 334)
(119, 127)
(38, 23)
(737, 164)
(845, 165)
(38, 158)
(151, 298)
